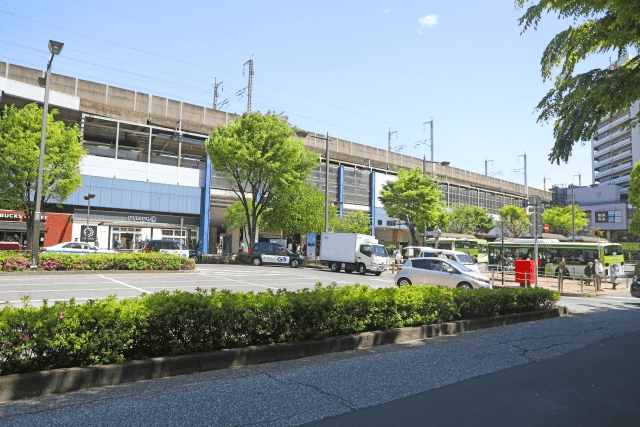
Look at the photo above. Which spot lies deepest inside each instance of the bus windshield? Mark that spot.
(610, 250)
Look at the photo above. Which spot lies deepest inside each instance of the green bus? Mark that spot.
(474, 247)
(550, 252)
(631, 251)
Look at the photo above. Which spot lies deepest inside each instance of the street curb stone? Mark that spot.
(34, 384)
(73, 272)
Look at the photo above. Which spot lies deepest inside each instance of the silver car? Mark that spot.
(440, 272)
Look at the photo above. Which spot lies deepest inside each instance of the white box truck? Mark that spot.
(353, 252)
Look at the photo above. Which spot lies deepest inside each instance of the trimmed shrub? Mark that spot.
(164, 323)
(13, 261)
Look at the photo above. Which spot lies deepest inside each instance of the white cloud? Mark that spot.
(385, 11)
(427, 21)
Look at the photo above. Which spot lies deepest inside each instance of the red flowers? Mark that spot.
(26, 337)
(357, 309)
(61, 315)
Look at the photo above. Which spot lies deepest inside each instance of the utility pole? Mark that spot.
(544, 183)
(486, 169)
(433, 166)
(389, 148)
(249, 87)
(579, 179)
(215, 94)
(526, 189)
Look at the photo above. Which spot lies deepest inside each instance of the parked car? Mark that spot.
(634, 289)
(77, 248)
(273, 253)
(440, 272)
(167, 247)
(457, 256)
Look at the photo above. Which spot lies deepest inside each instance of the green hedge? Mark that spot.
(163, 323)
(15, 261)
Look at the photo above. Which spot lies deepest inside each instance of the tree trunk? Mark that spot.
(414, 238)
(30, 231)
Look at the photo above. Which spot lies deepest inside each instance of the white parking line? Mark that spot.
(47, 284)
(117, 281)
(62, 290)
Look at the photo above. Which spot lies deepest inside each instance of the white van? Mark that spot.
(457, 256)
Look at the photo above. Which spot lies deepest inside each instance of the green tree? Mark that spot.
(634, 199)
(20, 133)
(356, 222)
(259, 156)
(559, 219)
(468, 220)
(515, 220)
(579, 101)
(297, 209)
(415, 199)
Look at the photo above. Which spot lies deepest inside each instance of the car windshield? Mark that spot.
(459, 266)
(379, 250)
(613, 250)
(464, 259)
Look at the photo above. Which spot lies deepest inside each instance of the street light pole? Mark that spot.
(326, 188)
(88, 198)
(55, 48)
(573, 212)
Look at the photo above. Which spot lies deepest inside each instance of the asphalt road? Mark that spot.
(581, 367)
(82, 287)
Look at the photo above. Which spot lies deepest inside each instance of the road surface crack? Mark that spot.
(343, 401)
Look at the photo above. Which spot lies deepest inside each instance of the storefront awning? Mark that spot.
(19, 226)
(135, 224)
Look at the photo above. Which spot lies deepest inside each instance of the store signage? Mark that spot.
(16, 216)
(151, 218)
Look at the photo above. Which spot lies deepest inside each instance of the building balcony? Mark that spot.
(615, 146)
(615, 157)
(611, 136)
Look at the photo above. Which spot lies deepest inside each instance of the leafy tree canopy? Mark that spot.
(297, 209)
(20, 133)
(516, 222)
(634, 199)
(415, 199)
(258, 155)
(468, 220)
(559, 219)
(578, 102)
(356, 222)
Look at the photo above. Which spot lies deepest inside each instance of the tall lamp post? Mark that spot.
(424, 171)
(303, 134)
(88, 198)
(55, 48)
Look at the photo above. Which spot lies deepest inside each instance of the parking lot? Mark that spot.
(239, 278)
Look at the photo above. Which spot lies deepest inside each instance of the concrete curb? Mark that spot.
(55, 381)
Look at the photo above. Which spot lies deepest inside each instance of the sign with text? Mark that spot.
(89, 233)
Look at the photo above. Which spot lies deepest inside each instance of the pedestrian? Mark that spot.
(398, 258)
(76, 240)
(599, 272)
(510, 262)
(97, 243)
(614, 275)
(561, 268)
(241, 247)
(588, 273)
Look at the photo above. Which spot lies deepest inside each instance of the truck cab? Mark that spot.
(353, 252)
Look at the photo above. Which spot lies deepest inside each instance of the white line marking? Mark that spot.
(117, 281)
(60, 290)
(252, 284)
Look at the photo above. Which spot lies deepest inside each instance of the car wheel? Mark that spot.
(377, 273)
(195, 259)
(404, 282)
(335, 267)
(465, 285)
(348, 271)
(257, 261)
(362, 269)
(294, 263)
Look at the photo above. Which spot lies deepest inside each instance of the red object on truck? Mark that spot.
(10, 246)
(525, 271)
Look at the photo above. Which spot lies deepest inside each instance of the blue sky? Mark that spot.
(350, 68)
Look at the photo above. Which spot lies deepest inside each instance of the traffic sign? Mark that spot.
(535, 218)
(535, 200)
(532, 231)
(546, 228)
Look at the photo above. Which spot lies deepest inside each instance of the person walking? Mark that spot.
(561, 268)
(599, 272)
(588, 273)
(398, 258)
(241, 247)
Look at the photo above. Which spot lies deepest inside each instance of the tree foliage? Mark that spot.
(515, 220)
(578, 102)
(468, 220)
(258, 155)
(415, 199)
(560, 221)
(20, 133)
(634, 199)
(356, 222)
(297, 209)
